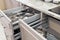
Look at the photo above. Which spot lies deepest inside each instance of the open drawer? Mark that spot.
(10, 28)
(29, 32)
(10, 20)
(35, 28)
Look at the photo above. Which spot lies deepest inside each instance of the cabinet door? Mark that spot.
(54, 27)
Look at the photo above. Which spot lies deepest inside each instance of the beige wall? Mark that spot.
(11, 4)
(2, 4)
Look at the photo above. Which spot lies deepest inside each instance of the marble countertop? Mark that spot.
(41, 6)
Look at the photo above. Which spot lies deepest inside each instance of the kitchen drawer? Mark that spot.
(35, 28)
(29, 32)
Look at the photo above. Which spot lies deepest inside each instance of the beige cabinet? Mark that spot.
(54, 27)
